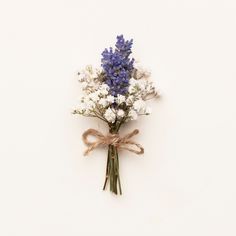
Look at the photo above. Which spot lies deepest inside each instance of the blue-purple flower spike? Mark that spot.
(118, 66)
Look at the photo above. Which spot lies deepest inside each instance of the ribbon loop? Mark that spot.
(111, 139)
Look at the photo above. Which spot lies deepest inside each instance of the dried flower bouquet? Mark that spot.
(117, 93)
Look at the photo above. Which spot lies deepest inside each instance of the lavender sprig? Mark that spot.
(118, 67)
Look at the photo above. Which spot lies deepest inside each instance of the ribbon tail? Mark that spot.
(132, 149)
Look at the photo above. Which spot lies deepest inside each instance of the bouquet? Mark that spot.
(117, 93)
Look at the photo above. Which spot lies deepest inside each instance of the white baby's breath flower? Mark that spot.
(120, 99)
(131, 89)
(103, 92)
(120, 113)
(132, 86)
(130, 100)
(150, 87)
(104, 86)
(94, 96)
(103, 102)
(84, 85)
(85, 99)
(133, 115)
(81, 108)
(132, 81)
(110, 99)
(139, 105)
(91, 72)
(86, 74)
(110, 115)
(103, 89)
(89, 104)
(141, 84)
(89, 79)
(137, 85)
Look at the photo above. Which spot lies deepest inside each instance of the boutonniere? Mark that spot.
(116, 93)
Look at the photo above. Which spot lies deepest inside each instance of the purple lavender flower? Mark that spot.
(118, 66)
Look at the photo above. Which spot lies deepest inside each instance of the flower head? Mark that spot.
(109, 115)
(120, 113)
(120, 99)
(118, 66)
(133, 115)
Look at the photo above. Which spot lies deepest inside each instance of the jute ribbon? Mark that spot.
(112, 139)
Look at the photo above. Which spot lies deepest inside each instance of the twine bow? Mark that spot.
(111, 139)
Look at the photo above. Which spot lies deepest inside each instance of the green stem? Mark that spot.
(107, 170)
(113, 171)
(118, 172)
(112, 168)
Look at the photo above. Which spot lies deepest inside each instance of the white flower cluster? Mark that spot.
(89, 79)
(140, 90)
(98, 102)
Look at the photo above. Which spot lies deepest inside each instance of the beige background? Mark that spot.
(183, 185)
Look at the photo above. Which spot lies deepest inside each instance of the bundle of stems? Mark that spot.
(112, 167)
